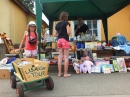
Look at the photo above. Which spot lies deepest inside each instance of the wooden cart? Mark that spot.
(36, 71)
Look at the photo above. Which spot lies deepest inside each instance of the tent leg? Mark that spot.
(39, 23)
(51, 29)
(50, 26)
(104, 21)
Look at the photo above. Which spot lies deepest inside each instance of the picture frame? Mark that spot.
(122, 65)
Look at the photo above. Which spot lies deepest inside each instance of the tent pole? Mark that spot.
(105, 26)
(50, 26)
(38, 23)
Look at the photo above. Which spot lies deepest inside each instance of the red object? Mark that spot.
(127, 64)
(108, 45)
(62, 43)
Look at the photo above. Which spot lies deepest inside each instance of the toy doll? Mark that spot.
(87, 65)
(76, 65)
(81, 67)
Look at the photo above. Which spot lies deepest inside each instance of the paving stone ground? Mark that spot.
(85, 85)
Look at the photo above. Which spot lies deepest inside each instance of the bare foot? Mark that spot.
(59, 75)
(67, 75)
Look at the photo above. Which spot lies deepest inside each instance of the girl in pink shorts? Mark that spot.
(62, 31)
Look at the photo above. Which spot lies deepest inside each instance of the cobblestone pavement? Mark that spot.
(84, 85)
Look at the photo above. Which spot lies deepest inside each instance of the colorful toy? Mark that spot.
(81, 67)
(76, 65)
(87, 63)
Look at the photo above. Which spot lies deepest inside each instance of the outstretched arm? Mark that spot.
(37, 39)
(23, 40)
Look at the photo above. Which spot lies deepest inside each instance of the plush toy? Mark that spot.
(76, 65)
(3, 35)
(13, 51)
(87, 65)
(81, 67)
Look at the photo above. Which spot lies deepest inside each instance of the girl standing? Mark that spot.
(30, 39)
(62, 30)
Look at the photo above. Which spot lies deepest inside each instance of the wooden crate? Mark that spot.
(34, 71)
(103, 53)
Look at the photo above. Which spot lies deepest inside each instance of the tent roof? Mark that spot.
(88, 9)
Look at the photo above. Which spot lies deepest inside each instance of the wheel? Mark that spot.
(49, 83)
(19, 90)
(13, 82)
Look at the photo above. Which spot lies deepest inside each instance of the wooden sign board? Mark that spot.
(34, 71)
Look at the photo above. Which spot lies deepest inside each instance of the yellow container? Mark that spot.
(34, 71)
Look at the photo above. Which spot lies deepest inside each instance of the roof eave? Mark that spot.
(25, 9)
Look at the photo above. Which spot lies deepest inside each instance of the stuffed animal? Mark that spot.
(76, 65)
(3, 35)
(87, 65)
(13, 51)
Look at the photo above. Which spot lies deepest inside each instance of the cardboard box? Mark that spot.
(4, 73)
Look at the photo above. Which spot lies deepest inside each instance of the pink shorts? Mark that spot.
(62, 43)
(30, 53)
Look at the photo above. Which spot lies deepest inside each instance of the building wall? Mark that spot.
(18, 23)
(119, 23)
(30, 18)
(13, 22)
(4, 17)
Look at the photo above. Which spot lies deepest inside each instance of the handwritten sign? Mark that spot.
(35, 71)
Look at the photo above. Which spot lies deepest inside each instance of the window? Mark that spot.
(94, 26)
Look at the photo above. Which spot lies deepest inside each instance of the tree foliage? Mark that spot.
(29, 4)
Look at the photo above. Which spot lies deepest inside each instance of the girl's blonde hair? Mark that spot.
(63, 16)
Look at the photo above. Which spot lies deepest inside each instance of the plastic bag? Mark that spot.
(1, 41)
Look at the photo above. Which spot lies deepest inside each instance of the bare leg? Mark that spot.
(66, 58)
(60, 58)
(77, 71)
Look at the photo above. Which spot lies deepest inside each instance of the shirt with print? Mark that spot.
(29, 46)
